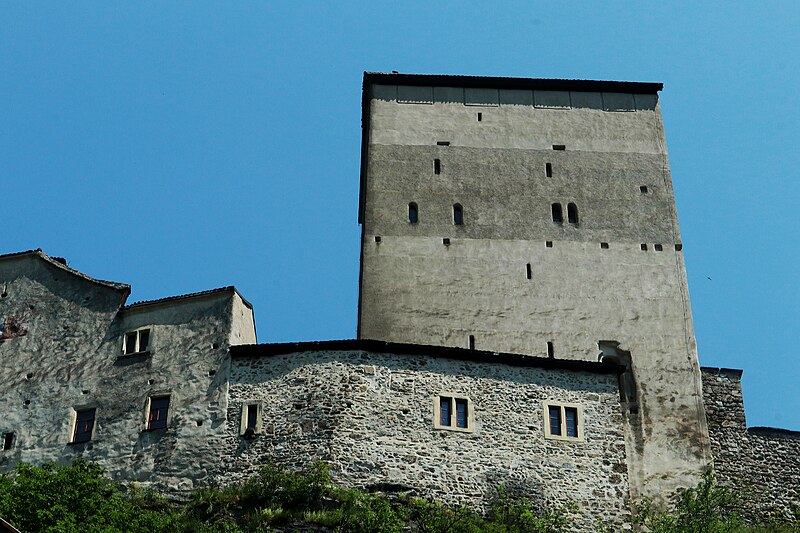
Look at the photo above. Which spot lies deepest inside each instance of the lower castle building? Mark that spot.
(523, 320)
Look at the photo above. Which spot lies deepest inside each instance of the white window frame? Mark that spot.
(259, 429)
(138, 332)
(73, 420)
(546, 404)
(148, 403)
(437, 413)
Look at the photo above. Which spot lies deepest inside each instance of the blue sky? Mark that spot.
(180, 146)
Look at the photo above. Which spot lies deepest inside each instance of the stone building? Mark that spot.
(523, 319)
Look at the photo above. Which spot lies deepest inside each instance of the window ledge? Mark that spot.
(135, 354)
(455, 429)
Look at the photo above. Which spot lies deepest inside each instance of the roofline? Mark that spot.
(8, 526)
(502, 82)
(40, 254)
(483, 82)
(765, 431)
(448, 352)
(716, 370)
(190, 296)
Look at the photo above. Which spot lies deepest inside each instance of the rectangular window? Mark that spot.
(563, 421)
(444, 411)
(555, 420)
(8, 441)
(548, 170)
(84, 425)
(437, 166)
(453, 413)
(461, 413)
(571, 421)
(136, 342)
(157, 415)
(252, 413)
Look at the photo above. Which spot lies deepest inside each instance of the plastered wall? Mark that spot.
(416, 289)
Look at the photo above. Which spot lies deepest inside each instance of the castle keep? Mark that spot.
(523, 319)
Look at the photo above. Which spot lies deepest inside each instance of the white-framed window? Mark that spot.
(453, 412)
(251, 419)
(82, 425)
(158, 411)
(136, 341)
(563, 421)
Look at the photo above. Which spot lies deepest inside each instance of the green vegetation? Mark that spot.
(61, 499)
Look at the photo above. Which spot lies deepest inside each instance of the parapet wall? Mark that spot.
(763, 464)
(372, 417)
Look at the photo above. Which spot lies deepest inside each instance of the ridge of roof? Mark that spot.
(63, 266)
(169, 299)
(507, 82)
(450, 352)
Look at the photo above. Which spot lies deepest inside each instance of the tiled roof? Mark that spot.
(170, 299)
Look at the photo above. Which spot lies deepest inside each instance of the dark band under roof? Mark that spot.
(491, 82)
(449, 352)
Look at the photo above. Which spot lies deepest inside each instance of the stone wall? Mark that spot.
(371, 417)
(71, 359)
(510, 277)
(763, 464)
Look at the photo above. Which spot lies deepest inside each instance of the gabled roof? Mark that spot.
(447, 352)
(170, 299)
(62, 264)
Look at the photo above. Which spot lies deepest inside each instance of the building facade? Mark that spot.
(523, 320)
(536, 217)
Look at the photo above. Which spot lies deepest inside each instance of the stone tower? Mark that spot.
(536, 217)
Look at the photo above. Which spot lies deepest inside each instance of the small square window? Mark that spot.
(84, 425)
(157, 412)
(135, 342)
(252, 414)
(658, 247)
(453, 413)
(563, 421)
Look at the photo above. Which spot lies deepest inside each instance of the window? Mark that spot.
(563, 421)
(480, 117)
(252, 414)
(453, 413)
(458, 215)
(136, 342)
(8, 440)
(551, 353)
(643, 189)
(157, 412)
(548, 170)
(413, 213)
(604, 245)
(572, 213)
(84, 426)
(529, 270)
(557, 216)
(437, 166)
(472, 342)
(559, 147)
(658, 247)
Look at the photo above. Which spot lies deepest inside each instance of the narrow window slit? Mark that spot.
(442, 143)
(480, 117)
(437, 166)
(529, 270)
(472, 342)
(572, 213)
(458, 215)
(551, 353)
(558, 217)
(413, 214)
(548, 170)
(8, 440)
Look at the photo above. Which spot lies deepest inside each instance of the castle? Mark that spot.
(523, 319)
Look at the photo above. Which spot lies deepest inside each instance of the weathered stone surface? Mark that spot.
(763, 464)
(370, 416)
(71, 358)
(414, 289)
